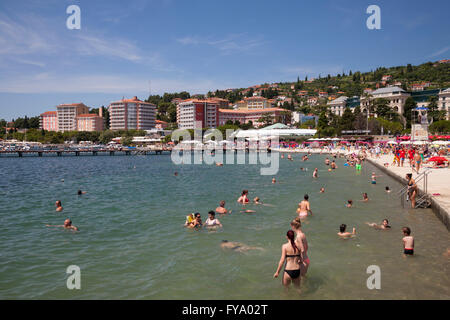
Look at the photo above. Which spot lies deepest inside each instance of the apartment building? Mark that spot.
(89, 122)
(49, 121)
(193, 114)
(67, 114)
(132, 113)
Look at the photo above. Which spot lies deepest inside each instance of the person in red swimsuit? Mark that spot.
(243, 198)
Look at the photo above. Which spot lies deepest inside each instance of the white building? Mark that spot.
(337, 105)
(395, 96)
(444, 101)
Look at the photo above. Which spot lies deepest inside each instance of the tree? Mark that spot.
(410, 104)
(440, 127)
(346, 121)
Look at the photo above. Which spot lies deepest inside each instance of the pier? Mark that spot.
(83, 152)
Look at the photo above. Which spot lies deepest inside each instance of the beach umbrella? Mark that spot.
(438, 159)
(419, 143)
(392, 142)
(441, 143)
(405, 142)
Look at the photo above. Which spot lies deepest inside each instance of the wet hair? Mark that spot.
(387, 188)
(224, 241)
(365, 195)
(306, 197)
(80, 192)
(212, 213)
(342, 227)
(58, 202)
(244, 192)
(350, 201)
(296, 223)
(291, 236)
(222, 202)
(386, 220)
(406, 230)
(197, 214)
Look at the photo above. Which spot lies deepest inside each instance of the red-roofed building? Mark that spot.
(67, 114)
(49, 121)
(161, 125)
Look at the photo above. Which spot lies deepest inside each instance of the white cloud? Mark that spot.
(438, 53)
(98, 83)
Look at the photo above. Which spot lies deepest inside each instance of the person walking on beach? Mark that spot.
(417, 161)
(412, 189)
(58, 205)
(302, 243)
(303, 208)
(408, 242)
(290, 254)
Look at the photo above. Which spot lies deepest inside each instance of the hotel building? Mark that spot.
(67, 114)
(89, 122)
(133, 113)
(193, 114)
(444, 101)
(395, 96)
(49, 121)
(245, 116)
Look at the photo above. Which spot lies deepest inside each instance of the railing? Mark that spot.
(421, 177)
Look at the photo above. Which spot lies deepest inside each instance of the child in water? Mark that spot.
(408, 242)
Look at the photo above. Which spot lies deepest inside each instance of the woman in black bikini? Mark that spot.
(292, 255)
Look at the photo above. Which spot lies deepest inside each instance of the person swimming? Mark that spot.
(79, 192)
(374, 178)
(58, 205)
(349, 203)
(327, 162)
(237, 246)
(304, 208)
(343, 234)
(212, 221)
(365, 197)
(290, 254)
(383, 226)
(243, 198)
(387, 189)
(322, 190)
(67, 225)
(333, 165)
(274, 180)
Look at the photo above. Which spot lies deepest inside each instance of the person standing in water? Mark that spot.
(221, 208)
(302, 243)
(303, 208)
(212, 221)
(408, 242)
(343, 234)
(58, 205)
(315, 173)
(243, 198)
(290, 254)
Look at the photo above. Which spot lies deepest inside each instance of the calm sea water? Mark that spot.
(132, 243)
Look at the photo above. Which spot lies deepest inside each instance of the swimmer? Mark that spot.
(333, 165)
(62, 180)
(197, 223)
(237, 246)
(67, 225)
(365, 197)
(322, 190)
(408, 242)
(315, 173)
(274, 180)
(290, 254)
(81, 192)
(58, 205)
(344, 234)
(282, 156)
(349, 203)
(387, 189)
(189, 219)
(247, 211)
(221, 208)
(383, 226)
(256, 200)
(175, 174)
(243, 198)
(212, 221)
(374, 178)
(327, 162)
(303, 207)
(219, 164)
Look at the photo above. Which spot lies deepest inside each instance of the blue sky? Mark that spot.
(124, 48)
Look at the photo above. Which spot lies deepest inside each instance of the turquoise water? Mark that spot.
(132, 244)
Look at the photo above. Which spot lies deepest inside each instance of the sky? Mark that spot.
(137, 47)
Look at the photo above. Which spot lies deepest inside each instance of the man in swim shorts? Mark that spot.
(343, 234)
(408, 242)
(304, 208)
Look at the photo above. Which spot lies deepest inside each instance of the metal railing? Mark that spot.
(404, 192)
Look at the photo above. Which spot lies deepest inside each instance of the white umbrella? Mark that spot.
(335, 139)
(405, 142)
(419, 143)
(392, 142)
(441, 143)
